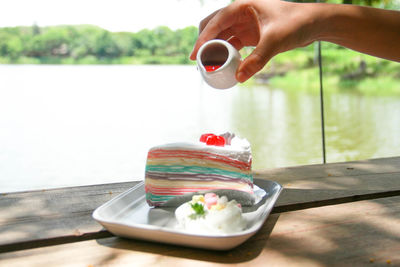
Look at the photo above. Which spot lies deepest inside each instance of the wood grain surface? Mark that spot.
(363, 233)
(52, 221)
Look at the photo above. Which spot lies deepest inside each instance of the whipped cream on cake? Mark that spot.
(210, 214)
(212, 162)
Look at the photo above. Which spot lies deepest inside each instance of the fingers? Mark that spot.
(226, 34)
(255, 61)
(206, 32)
(214, 25)
(236, 43)
(205, 21)
(202, 37)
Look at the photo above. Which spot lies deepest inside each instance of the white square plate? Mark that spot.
(129, 215)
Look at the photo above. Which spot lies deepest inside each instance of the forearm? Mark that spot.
(275, 26)
(364, 29)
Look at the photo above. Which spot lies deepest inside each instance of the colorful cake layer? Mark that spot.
(179, 168)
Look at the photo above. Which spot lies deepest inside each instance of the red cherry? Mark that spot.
(211, 140)
(203, 137)
(220, 141)
(210, 68)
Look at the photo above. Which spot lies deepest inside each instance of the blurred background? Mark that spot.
(87, 87)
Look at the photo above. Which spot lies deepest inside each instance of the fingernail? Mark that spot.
(192, 57)
(241, 77)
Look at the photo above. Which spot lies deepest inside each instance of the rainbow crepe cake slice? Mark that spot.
(215, 162)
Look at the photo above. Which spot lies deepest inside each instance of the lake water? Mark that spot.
(79, 125)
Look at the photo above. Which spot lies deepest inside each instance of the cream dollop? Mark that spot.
(210, 214)
(235, 148)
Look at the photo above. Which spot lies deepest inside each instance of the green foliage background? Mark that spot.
(87, 44)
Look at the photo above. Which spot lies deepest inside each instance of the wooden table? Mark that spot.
(342, 214)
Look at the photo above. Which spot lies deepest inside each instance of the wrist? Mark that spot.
(312, 20)
(335, 21)
(320, 18)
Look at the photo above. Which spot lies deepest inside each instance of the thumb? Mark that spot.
(254, 62)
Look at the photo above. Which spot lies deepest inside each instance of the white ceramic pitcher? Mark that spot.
(222, 54)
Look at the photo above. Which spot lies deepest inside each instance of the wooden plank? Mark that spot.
(322, 184)
(332, 170)
(352, 234)
(45, 214)
(39, 218)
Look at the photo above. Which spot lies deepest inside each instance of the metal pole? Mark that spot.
(321, 93)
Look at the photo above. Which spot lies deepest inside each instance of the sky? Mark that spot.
(113, 15)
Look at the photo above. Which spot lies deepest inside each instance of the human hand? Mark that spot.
(272, 26)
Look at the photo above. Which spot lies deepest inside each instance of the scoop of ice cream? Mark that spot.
(210, 214)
